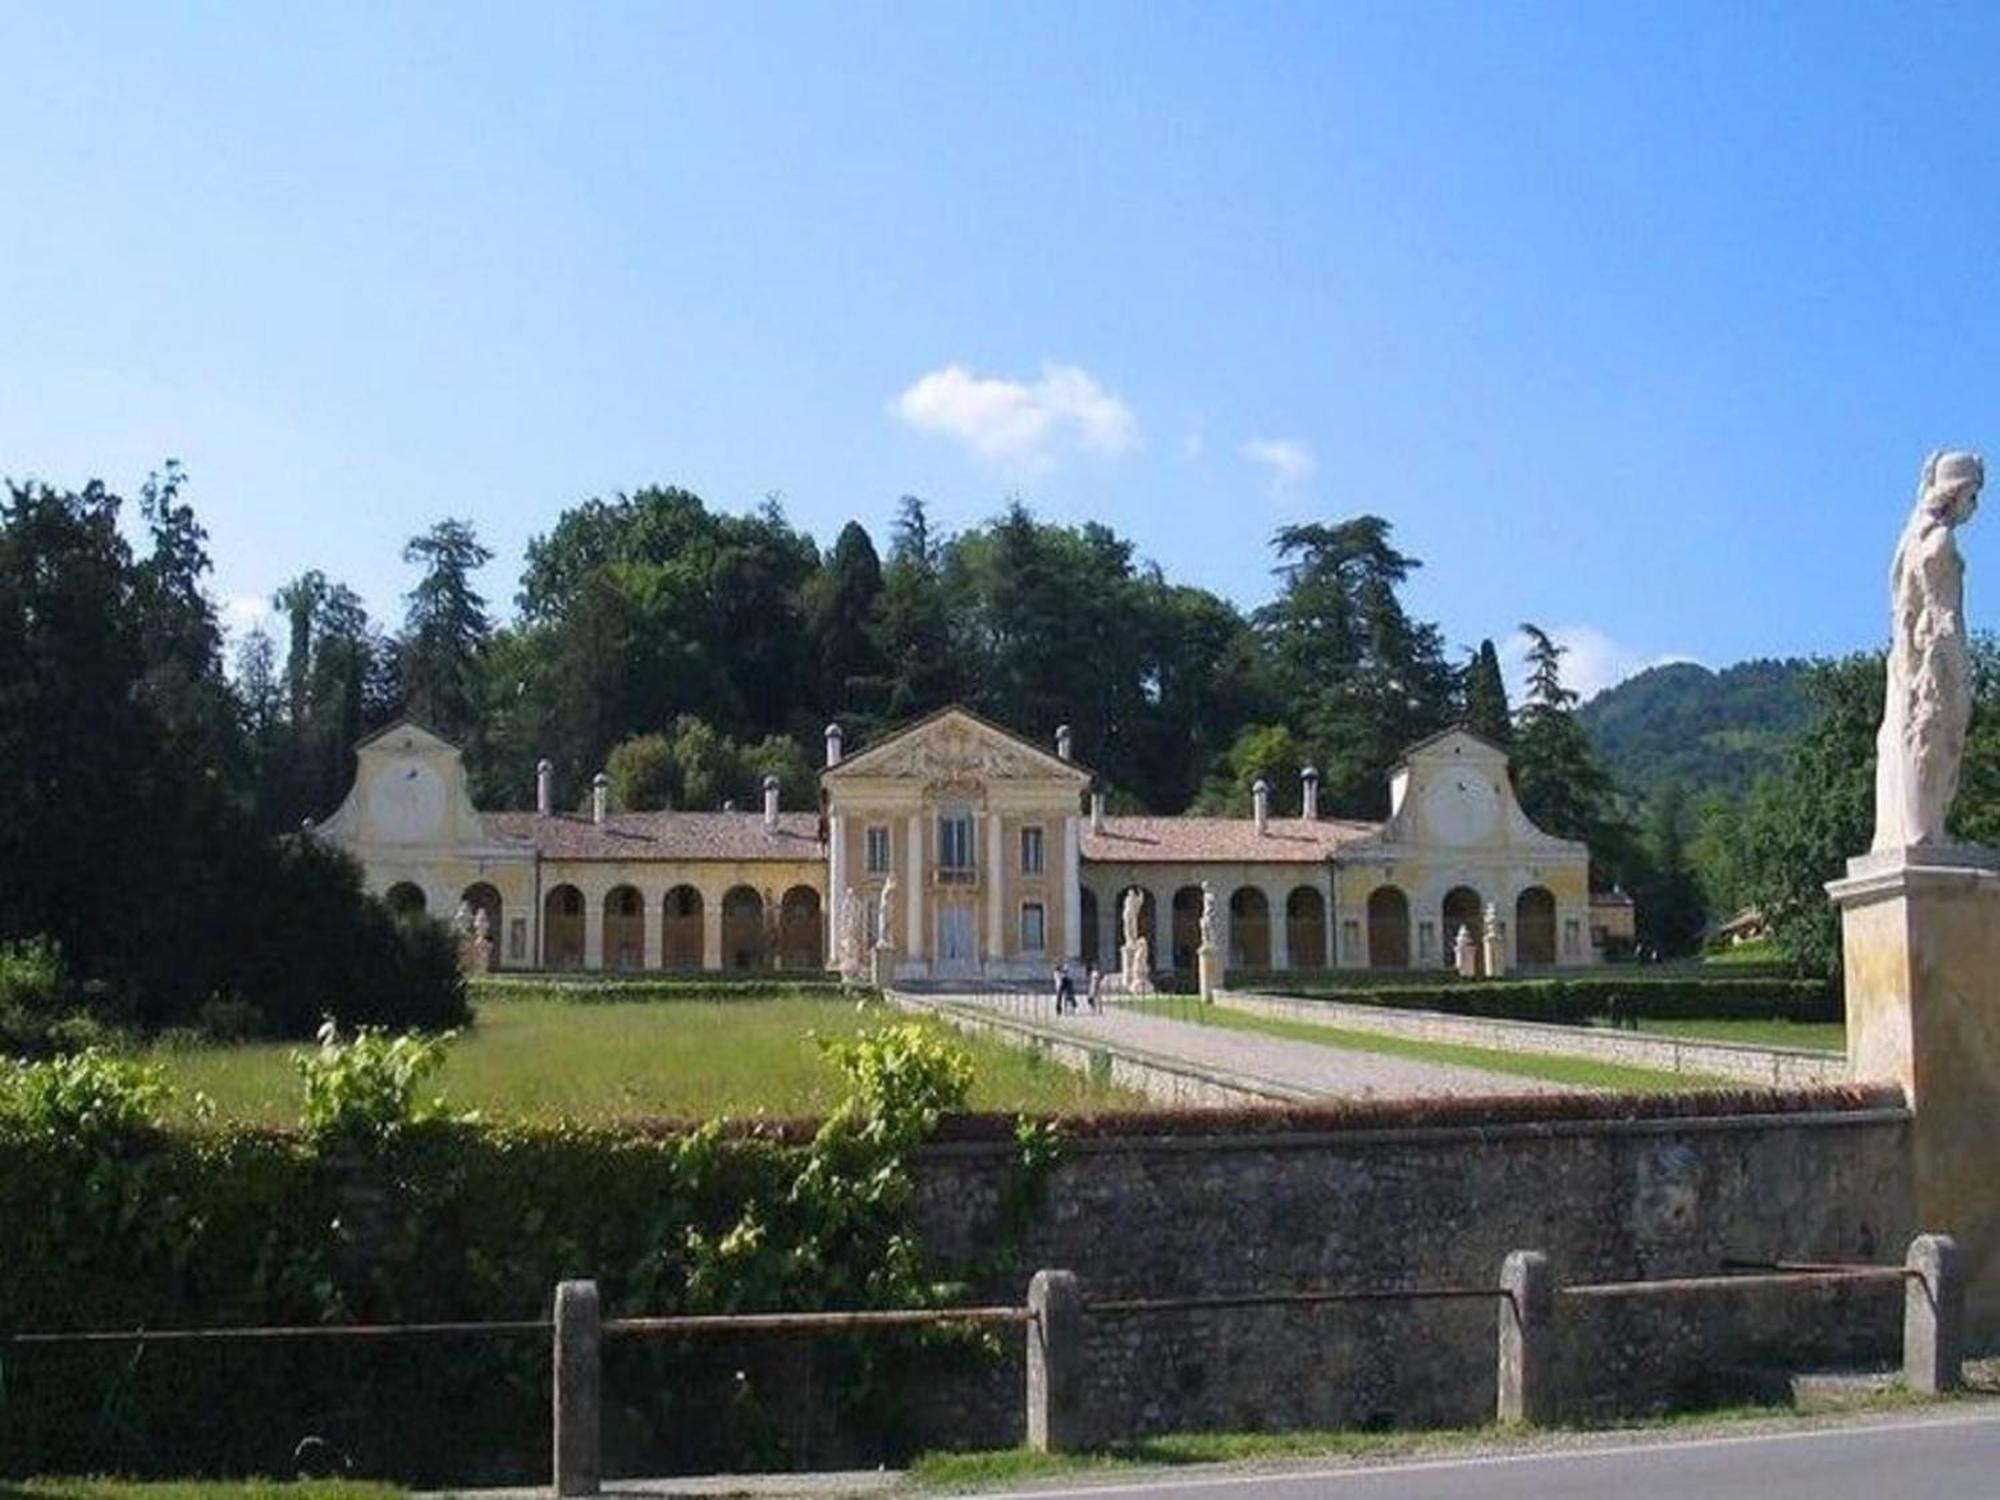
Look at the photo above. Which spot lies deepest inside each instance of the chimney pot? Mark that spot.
(545, 796)
(1260, 802)
(833, 744)
(1309, 804)
(771, 803)
(600, 797)
(1062, 742)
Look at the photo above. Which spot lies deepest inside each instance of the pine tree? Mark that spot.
(446, 629)
(838, 618)
(1561, 784)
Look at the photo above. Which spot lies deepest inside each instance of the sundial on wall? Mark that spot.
(1461, 807)
(406, 801)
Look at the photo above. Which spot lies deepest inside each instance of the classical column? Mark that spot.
(1072, 878)
(593, 930)
(836, 884)
(996, 866)
(711, 929)
(1281, 930)
(654, 911)
(913, 926)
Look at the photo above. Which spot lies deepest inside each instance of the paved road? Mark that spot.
(1301, 1068)
(1948, 1454)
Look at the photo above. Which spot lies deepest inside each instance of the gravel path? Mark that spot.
(1314, 1069)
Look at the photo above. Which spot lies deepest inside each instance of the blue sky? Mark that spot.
(1635, 319)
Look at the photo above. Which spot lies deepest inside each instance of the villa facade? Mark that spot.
(971, 853)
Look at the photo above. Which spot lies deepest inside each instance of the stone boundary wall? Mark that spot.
(1173, 1082)
(1775, 1067)
(1424, 1205)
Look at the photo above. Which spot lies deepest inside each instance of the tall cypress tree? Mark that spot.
(1562, 785)
(1486, 712)
(446, 629)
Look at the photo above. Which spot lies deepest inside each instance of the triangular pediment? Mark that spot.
(406, 735)
(955, 745)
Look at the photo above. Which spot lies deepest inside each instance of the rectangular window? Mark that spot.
(955, 843)
(1034, 927)
(878, 850)
(1031, 851)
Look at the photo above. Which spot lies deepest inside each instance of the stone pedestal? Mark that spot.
(1208, 970)
(1921, 941)
(883, 969)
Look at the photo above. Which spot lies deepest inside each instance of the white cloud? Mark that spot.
(1023, 424)
(1592, 661)
(1289, 461)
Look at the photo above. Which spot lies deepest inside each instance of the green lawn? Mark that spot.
(1581, 1072)
(545, 1059)
(1826, 1036)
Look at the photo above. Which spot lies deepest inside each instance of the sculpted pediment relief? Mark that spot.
(956, 753)
(957, 749)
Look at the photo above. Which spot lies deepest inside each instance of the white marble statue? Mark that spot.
(885, 915)
(461, 920)
(1130, 913)
(1463, 958)
(481, 928)
(1211, 919)
(1921, 744)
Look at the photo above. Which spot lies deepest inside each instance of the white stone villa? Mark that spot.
(1003, 859)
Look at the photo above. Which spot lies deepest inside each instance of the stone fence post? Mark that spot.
(578, 1375)
(1525, 1396)
(1055, 1362)
(1933, 1315)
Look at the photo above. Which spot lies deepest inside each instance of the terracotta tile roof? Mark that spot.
(662, 835)
(1290, 841)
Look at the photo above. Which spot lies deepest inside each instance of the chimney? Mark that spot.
(545, 786)
(1260, 803)
(1062, 742)
(1096, 810)
(770, 804)
(833, 744)
(600, 797)
(1309, 802)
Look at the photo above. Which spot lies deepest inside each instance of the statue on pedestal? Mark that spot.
(1463, 958)
(1211, 920)
(885, 915)
(1495, 943)
(1921, 745)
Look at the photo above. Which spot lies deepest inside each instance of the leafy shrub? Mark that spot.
(86, 1101)
(902, 1077)
(363, 1090)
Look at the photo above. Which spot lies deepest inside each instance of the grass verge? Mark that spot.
(1814, 1036)
(1578, 1072)
(195, 1489)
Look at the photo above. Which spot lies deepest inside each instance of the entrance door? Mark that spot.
(957, 953)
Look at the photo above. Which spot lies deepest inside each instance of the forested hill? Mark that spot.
(1712, 731)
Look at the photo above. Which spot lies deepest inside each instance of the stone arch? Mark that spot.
(1187, 928)
(1388, 928)
(1091, 936)
(680, 928)
(1535, 927)
(745, 944)
(801, 934)
(1462, 907)
(1249, 929)
(406, 900)
(562, 928)
(1305, 927)
(624, 928)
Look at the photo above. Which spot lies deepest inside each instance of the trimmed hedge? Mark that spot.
(607, 989)
(1581, 1000)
